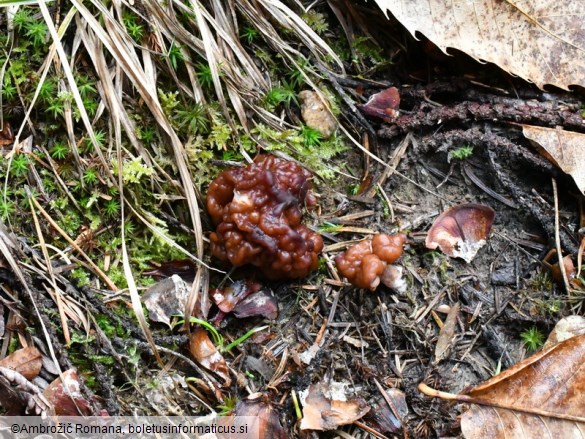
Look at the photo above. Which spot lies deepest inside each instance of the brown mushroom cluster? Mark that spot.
(257, 213)
(368, 263)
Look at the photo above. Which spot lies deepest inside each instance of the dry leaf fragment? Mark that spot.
(64, 394)
(566, 149)
(383, 105)
(461, 230)
(543, 393)
(206, 354)
(384, 419)
(227, 298)
(565, 328)
(542, 40)
(446, 334)
(6, 135)
(262, 303)
(266, 421)
(26, 361)
(166, 298)
(326, 406)
(245, 299)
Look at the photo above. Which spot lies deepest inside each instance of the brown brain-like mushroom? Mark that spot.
(257, 213)
(368, 263)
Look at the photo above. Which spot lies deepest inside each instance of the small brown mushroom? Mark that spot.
(257, 212)
(368, 263)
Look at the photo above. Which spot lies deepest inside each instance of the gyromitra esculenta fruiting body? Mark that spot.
(257, 213)
(368, 263)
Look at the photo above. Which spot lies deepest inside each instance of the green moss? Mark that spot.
(533, 339)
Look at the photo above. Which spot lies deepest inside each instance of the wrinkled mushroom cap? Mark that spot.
(365, 263)
(257, 212)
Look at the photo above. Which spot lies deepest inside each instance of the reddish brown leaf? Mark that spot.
(227, 298)
(26, 361)
(326, 407)
(266, 420)
(461, 230)
(6, 135)
(383, 105)
(206, 354)
(66, 397)
(263, 303)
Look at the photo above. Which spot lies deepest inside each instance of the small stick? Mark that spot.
(558, 238)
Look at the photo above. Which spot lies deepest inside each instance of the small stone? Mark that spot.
(317, 114)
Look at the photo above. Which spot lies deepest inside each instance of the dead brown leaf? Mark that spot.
(26, 361)
(6, 135)
(383, 105)
(326, 407)
(446, 334)
(167, 298)
(206, 354)
(461, 230)
(541, 393)
(265, 417)
(542, 41)
(566, 149)
(565, 328)
(65, 396)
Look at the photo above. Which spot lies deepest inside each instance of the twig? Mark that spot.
(558, 238)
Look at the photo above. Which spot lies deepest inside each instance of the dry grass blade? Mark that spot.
(116, 41)
(6, 247)
(73, 86)
(49, 267)
(107, 89)
(289, 20)
(71, 242)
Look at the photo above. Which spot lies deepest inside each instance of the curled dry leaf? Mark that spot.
(26, 361)
(266, 421)
(245, 298)
(227, 298)
(6, 135)
(387, 414)
(64, 394)
(206, 354)
(461, 230)
(327, 407)
(383, 105)
(263, 303)
(167, 298)
(565, 149)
